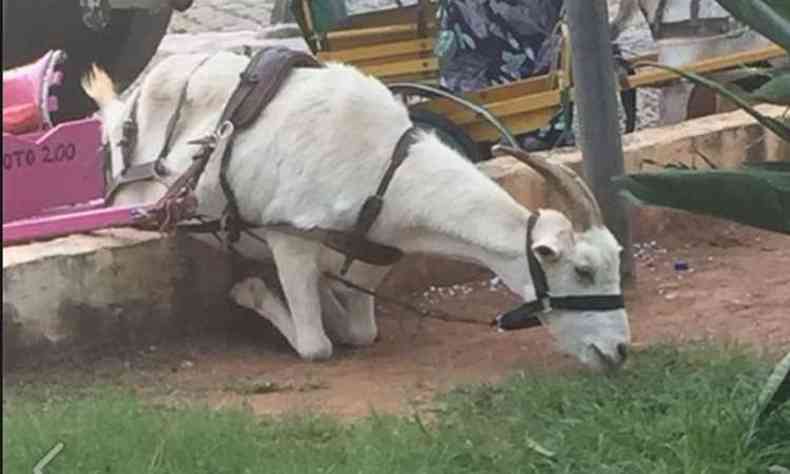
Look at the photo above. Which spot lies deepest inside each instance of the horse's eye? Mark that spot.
(586, 274)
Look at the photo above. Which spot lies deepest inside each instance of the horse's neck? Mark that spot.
(454, 210)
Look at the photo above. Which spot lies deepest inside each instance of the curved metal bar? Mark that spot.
(397, 87)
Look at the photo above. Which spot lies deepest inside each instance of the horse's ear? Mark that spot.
(99, 87)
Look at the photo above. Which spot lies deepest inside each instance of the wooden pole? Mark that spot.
(595, 95)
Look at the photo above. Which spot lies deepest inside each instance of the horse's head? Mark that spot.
(575, 272)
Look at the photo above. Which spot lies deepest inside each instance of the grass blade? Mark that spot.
(776, 391)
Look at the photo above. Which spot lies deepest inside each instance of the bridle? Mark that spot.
(527, 315)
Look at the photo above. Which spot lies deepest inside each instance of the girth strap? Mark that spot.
(351, 243)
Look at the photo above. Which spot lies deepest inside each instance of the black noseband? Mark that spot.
(526, 315)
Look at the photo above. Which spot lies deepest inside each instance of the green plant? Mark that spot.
(771, 18)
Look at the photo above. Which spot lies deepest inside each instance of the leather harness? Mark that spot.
(259, 84)
(260, 81)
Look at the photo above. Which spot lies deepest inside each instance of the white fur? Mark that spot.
(312, 158)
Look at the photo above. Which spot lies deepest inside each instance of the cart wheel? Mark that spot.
(448, 132)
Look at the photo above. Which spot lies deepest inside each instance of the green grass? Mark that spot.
(671, 412)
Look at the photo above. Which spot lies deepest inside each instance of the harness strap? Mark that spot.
(588, 302)
(171, 124)
(354, 243)
(128, 140)
(128, 143)
(373, 204)
(535, 270)
(272, 65)
(132, 174)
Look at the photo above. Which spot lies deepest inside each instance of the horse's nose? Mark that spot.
(622, 349)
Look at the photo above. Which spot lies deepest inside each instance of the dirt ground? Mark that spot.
(737, 288)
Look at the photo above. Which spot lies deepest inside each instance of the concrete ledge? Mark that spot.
(109, 287)
(125, 286)
(725, 139)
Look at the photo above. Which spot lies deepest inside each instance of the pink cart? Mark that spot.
(53, 175)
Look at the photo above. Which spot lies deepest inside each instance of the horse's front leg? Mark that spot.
(300, 321)
(297, 268)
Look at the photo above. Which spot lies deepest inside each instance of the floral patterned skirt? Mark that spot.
(489, 42)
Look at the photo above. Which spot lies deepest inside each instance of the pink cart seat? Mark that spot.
(27, 99)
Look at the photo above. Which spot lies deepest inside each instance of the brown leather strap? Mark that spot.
(171, 124)
(128, 141)
(373, 204)
(152, 169)
(133, 174)
(260, 82)
(353, 244)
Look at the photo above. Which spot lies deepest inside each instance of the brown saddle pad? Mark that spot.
(261, 80)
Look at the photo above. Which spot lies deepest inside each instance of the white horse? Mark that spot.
(317, 151)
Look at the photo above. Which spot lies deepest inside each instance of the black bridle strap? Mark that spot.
(588, 302)
(539, 280)
(173, 121)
